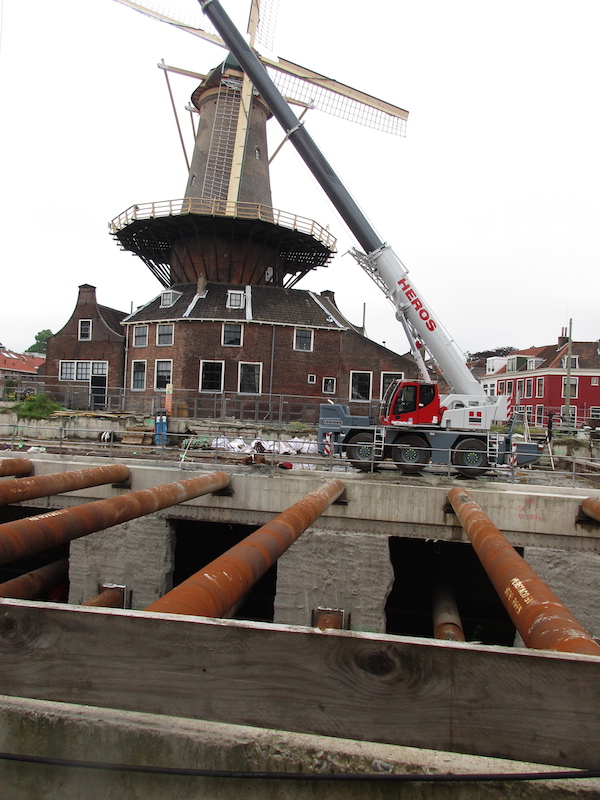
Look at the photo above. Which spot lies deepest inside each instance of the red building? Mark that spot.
(537, 379)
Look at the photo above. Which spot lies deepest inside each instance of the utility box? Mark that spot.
(160, 427)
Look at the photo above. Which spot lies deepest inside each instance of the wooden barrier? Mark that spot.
(518, 704)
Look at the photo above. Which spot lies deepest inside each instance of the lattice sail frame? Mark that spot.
(307, 92)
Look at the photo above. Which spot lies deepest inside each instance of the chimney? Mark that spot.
(563, 338)
(201, 289)
(328, 294)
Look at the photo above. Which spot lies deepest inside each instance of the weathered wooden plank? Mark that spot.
(531, 706)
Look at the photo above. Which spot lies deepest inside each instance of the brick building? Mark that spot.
(87, 356)
(214, 338)
(536, 380)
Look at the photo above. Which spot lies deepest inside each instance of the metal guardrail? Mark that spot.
(210, 446)
(222, 208)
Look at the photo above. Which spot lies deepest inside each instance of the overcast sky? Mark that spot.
(491, 200)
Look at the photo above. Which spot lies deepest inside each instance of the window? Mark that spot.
(500, 387)
(539, 416)
(163, 374)
(250, 377)
(211, 376)
(529, 413)
(303, 339)
(572, 413)
(595, 412)
(328, 385)
(595, 381)
(164, 334)
(67, 370)
(511, 364)
(534, 363)
(386, 379)
(312, 378)
(99, 367)
(235, 299)
(509, 388)
(82, 370)
(232, 334)
(574, 362)
(574, 387)
(168, 299)
(140, 335)
(360, 385)
(539, 387)
(520, 389)
(529, 387)
(138, 375)
(85, 330)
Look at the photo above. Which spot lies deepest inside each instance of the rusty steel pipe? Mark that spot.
(35, 583)
(541, 619)
(447, 623)
(591, 507)
(19, 489)
(15, 466)
(215, 589)
(23, 537)
(110, 597)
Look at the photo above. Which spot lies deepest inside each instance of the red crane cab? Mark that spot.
(411, 403)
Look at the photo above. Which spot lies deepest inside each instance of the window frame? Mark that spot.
(230, 344)
(539, 386)
(79, 334)
(311, 333)
(234, 293)
(133, 363)
(204, 361)
(136, 329)
(574, 383)
(156, 363)
(327, 391)
(354, 372)
(258, 364)
(382, 377)
(60, 370)
(160, 325)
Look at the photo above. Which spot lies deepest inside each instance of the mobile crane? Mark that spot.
(415, 426)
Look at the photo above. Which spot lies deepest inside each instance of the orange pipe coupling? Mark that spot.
(541, 619)
(215, 590)
(23, 537)
(15, 466)
(19, 489)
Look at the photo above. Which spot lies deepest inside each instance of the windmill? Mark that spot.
(225, 228)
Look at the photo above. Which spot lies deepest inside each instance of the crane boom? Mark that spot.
(379, 260)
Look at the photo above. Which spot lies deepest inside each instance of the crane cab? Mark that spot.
(411, 403)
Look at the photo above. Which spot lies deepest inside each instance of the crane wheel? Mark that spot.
(410, 454)
(359, 450)
(470, 458)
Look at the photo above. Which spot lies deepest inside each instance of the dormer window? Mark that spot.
(574, 362)
(534, 363)
(235, 299)
(168, 299)
(511, 364)
(85, 330)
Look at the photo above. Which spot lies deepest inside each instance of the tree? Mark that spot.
(40, 341)
(498, 351)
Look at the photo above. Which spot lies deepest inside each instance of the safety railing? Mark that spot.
(222, 208)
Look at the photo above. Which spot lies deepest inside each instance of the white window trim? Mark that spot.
(539, 382)
(165, 325)
(312, 340)
(382, 374)
(239, 381)
(231, 293)
(574, 387)
(173, 295)
(60, 363)
(156, 363)
(360, 372)
(328, 378)
(241, 344)
(145, 363)
(211, 361)
(79, 336)
(312, 379)
(138, 328)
